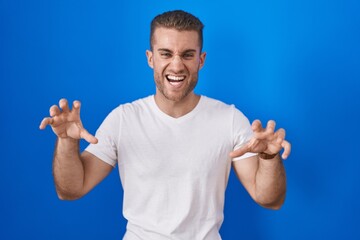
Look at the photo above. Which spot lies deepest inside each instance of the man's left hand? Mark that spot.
(265, 140)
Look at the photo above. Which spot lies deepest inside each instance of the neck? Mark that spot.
(177, 109)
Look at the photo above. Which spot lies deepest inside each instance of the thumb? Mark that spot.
(88, 137)
(239, 152)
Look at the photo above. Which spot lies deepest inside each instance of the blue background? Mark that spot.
(297, 62)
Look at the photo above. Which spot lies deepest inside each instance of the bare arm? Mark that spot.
(263, 175)
(74, 174)
(265, 180)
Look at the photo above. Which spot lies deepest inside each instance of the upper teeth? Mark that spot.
(175, 78)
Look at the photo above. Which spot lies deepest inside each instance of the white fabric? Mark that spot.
(174, 171)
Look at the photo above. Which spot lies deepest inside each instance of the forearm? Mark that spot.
(270, 182)
(68, 169)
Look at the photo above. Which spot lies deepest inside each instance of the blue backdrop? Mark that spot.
(297, 62)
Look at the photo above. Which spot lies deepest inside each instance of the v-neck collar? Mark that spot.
(179, 119)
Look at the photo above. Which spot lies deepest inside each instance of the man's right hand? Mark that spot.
(66, 123)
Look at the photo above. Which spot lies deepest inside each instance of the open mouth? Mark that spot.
(175, 80)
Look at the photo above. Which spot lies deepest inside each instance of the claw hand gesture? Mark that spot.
(265, 140)
(66, 123)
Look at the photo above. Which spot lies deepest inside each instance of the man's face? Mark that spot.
(176, 60)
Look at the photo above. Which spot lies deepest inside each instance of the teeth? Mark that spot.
(175, 84)
(175, 78)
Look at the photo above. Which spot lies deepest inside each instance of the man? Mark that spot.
(174, 149)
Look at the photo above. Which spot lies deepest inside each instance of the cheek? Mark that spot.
(195, 64)
(158, 72)
(194, 67)
(160, 67)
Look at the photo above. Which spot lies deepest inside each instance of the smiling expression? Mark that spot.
(176, 59)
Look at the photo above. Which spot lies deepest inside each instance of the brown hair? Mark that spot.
(179, 20)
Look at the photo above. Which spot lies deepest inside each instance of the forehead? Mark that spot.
(173, 39)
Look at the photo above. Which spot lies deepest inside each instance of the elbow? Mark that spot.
(274, 204)
(67, 196)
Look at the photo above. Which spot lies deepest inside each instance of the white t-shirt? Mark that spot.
(173, 171)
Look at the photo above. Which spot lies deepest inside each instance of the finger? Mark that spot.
(46, 121)
(256, 126)
(270, 127)
(287, 149)
(280, 135)
(267, 133)
(76, 107)
(260, 132)
(239, 152)
(88, 137)
(54, 110)
(63, 103)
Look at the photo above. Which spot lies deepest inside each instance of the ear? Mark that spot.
(149, 55)
(202, 59)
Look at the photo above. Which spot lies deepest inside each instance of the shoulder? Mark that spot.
(129, 112)
(215, 103)
(215, 111)
(136, 106)
(218, 106)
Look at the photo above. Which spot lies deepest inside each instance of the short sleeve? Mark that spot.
(242, 133)
(107, 134)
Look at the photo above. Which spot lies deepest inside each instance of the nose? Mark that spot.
(177, 64)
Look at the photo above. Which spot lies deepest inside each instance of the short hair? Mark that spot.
(179, 20)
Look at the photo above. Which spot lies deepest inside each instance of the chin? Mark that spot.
(174, 97)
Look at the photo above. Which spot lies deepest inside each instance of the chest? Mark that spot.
(174, 150)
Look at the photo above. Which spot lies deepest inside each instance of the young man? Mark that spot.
(174, 149)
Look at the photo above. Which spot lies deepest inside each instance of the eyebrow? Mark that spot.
(168, 50)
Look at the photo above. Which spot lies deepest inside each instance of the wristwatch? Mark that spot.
(267, 156)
